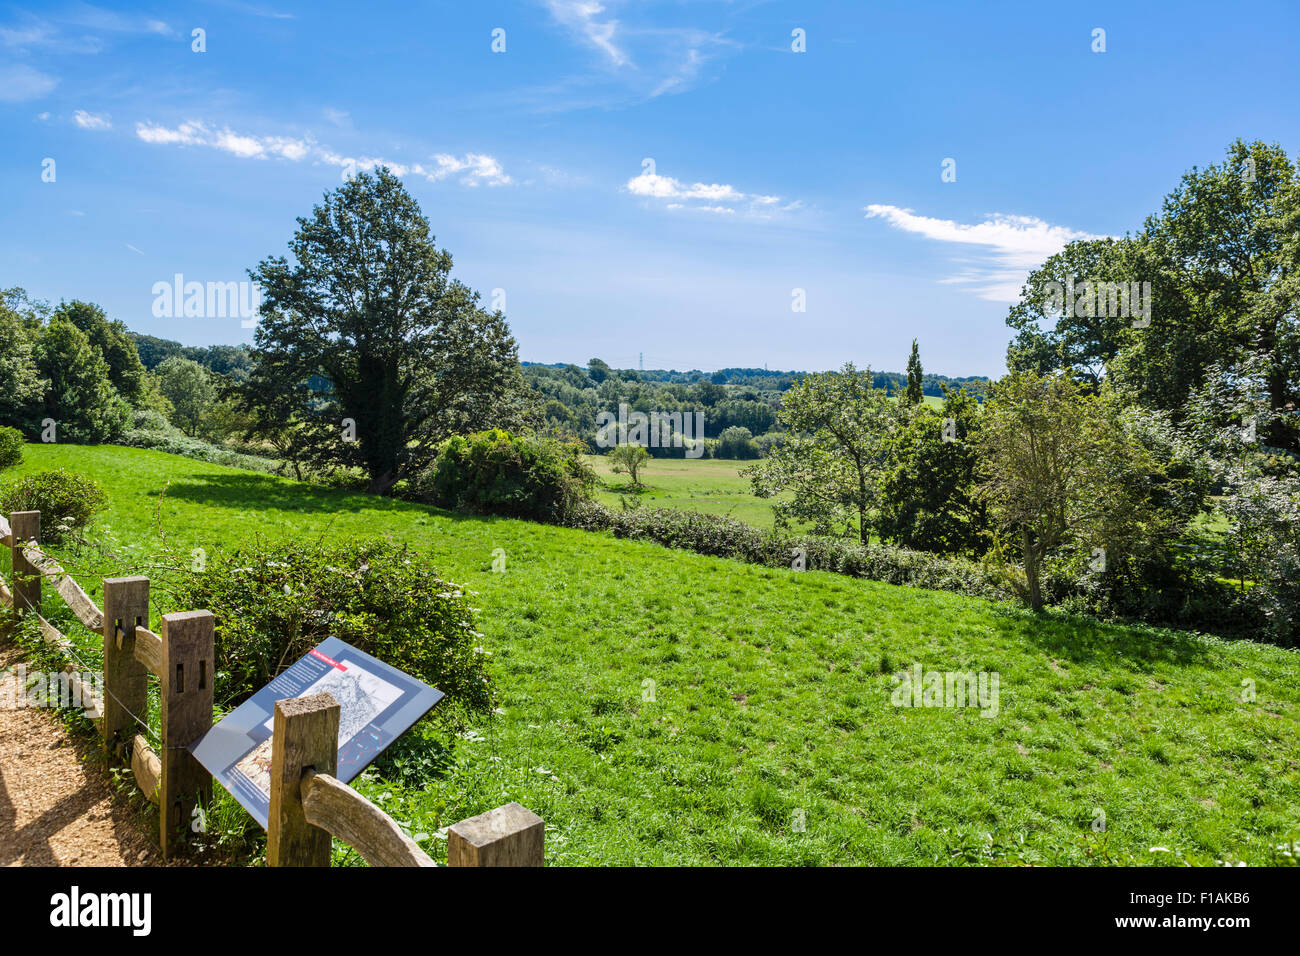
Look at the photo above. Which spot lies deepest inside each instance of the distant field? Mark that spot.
(710, 485)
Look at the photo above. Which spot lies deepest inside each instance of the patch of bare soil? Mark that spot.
(56, 806)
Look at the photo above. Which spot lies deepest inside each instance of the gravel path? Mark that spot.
(56, 808)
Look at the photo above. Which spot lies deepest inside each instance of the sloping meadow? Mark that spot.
(660, 707)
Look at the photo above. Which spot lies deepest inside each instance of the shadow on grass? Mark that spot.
(627, 488)
(1086, 640)
(262, 493)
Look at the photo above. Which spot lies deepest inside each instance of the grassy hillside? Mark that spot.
(772, 696)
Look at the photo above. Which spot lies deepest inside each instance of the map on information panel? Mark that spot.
(377, 704)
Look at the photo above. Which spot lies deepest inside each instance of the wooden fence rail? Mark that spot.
(308, 804)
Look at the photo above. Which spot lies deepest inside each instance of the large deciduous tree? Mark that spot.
(1059, 469)
(927, 497)
(188, 386)
(111, 338)
(1223, 259)
(21, 388)
(835, 453)
(79, 396)
(367, 352)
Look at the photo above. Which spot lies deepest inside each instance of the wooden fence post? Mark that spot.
(507, 836)
(26, 526)
(185, 685)
(126, 604)
(305, 734)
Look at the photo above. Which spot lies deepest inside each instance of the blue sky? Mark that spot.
(773, 170)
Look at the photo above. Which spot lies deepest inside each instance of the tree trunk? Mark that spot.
(1032, 570)
(379, 484)
(1279, 436)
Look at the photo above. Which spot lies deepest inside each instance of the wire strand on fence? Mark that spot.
(70, 649)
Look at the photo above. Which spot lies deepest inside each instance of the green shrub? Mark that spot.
(768, 442)
(494, 472)
(274, 603)
(150, 429)
(66, 500)
(11, 447)
(737, 442)
(721, 536)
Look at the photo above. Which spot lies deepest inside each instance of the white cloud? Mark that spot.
(709, 196)
(477, 169)
(187, 134)
(91, 120)
(194, 133)
(472, 169)
(20, 82)
(134, 249)
(1013, 244)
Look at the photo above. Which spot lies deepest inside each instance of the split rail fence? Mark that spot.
(309, 805)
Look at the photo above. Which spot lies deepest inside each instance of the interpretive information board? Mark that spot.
(377, 704)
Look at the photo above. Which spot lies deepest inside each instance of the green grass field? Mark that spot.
(710, 485)
(772, 697)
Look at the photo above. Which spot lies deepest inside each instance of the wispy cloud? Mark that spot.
(635, 59)
(20, 82)
(194, 133)
(588, 20)
(91, 120)
(1012, 246)
(134, 249)
(31, 34)
(471, 169)
(77, 28)
(703, 197)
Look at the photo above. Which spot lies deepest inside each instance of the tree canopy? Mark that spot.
(1222, 257)
(367, 352)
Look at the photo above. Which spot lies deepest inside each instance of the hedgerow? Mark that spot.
(273, 603)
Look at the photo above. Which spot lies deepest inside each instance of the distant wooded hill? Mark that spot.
(235, 361)
(740, 405)
(763, 379)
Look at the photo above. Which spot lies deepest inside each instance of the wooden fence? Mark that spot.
(308, 804)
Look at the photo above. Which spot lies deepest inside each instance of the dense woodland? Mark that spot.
(739, 405)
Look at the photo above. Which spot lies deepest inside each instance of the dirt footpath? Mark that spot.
(56, 808)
